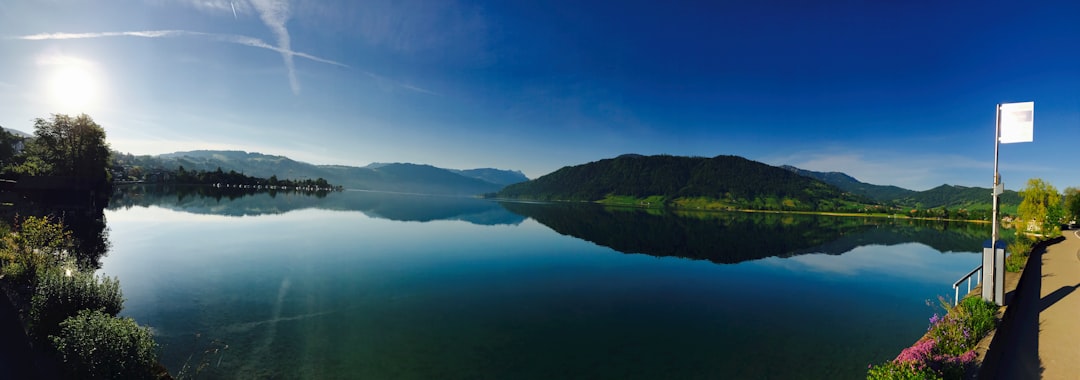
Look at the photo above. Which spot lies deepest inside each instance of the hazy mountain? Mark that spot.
(396, 177)
(502, 177)
(727, 180)
(17, 132)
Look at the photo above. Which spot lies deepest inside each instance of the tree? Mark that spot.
(8, 143)
(1041, 208)
(71, 146)
(1072, 203)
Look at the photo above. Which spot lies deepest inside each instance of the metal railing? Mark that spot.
(956, 285)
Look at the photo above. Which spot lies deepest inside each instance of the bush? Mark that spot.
(95, 345)
(948, 353)
(901, 370)
(61, 293)
(981, 315)
(962, 328)
(38, 243)
(1018, 250)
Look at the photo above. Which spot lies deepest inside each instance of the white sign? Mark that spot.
(1017, 122)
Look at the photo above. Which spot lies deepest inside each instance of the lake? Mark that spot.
(368, 285)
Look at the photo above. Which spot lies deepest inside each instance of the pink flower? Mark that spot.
(917, 353)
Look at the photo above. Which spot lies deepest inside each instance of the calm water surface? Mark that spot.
(366, 285)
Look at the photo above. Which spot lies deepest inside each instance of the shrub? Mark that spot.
(95, 345)
(962, 328)
(61, 293)
(897, 370)
(949, 352)
(981, 315)
(1018, 250)
(37, 244)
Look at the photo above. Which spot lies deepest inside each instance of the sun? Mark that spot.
(74, 88)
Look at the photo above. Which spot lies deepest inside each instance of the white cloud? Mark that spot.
(909, 260)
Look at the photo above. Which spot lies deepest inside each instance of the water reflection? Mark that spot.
(732, 237)
(318, 293)
(392, 206)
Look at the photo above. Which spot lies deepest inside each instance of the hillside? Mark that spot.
(952, 196)
(397, 177)
(850, 184)
(718, 182)
(948, 196)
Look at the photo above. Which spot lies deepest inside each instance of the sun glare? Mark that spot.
(74, 88)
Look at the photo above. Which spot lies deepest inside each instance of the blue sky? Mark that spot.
(896, 93)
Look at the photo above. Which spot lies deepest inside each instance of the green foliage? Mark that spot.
(1072, 203)
(96, 345)
(894, 370)
(980, 315)
(63, 292)
(1019, 250)
(964, 325)
(1040, 211)
(38, 243)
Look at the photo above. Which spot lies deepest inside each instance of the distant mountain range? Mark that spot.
(395, 177)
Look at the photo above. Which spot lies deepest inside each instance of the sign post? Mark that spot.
(1015, 124)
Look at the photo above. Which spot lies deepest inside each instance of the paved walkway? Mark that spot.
(1042, 338)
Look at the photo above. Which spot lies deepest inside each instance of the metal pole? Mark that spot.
(997, 179)
(994, 221)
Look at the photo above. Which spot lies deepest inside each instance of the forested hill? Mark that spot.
(880, 193)
(952, 196)
(722, 181)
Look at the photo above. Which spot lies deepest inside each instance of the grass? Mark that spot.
(625, 200)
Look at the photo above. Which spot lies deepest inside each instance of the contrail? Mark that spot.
(233, 6)
(274, 13)
(230, 38)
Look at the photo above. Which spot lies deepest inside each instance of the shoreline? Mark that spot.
(800, 212)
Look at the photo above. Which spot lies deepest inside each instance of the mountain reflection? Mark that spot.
(732, 237)
(392, 206)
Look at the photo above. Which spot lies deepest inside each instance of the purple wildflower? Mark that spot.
(933, 321)
(917, 353)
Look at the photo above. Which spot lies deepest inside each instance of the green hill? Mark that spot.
(948, 196)
(951, 196)
(848, 183)
(692, 182)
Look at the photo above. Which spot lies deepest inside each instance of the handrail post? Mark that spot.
(956, 285)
